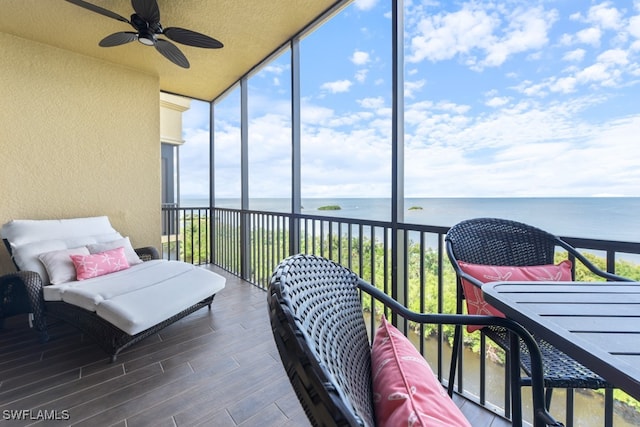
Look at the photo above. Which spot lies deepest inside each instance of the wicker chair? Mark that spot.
(499, 242)
(319, 329)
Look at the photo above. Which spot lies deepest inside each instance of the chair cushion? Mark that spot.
(493, 273)
(94, 265)
(405, 390)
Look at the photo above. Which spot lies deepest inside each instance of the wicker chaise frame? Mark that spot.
(17, 291)
(315, 309)
(110, 338)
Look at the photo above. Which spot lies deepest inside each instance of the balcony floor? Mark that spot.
(213, 368)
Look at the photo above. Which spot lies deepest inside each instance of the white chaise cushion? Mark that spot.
(141, 296)
(22, 231)
(30, 238)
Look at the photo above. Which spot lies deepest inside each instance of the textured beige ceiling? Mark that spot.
(249, 29)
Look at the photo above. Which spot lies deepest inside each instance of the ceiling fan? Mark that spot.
(146, 22)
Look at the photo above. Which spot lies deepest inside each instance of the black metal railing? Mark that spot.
(250, 244)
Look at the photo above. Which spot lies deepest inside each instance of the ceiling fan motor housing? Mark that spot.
(146, 35)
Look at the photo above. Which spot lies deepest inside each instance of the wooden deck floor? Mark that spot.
(212, 368)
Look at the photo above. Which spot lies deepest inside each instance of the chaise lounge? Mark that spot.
(90, 276)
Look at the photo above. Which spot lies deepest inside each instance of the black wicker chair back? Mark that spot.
(318, 325)
(320, 332)
(500, 242)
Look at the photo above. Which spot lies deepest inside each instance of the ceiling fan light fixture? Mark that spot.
(147, 38)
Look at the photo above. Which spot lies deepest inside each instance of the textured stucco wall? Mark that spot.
(78, 137)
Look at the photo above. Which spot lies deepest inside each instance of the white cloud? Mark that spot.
(365, 4)
(372, 103)
(451, 107)
(274, 68)
(315, 114)
(575, 55)
(344, 163)
(352, 119)
(527, 30)
(360, 58)
(484, 37)
(605, 16)
(523, 153)
(593, 73)
(497, 101)
(607, 71)
(442, 36)
(361, 75)
(634, 26)
(590, 36)
(411, 87)
(614, 57)
(566, 39)
(337, 86)
(563, 85)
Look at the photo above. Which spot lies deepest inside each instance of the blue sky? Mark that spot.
(510, 98)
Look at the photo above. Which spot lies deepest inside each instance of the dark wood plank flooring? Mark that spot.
(212, 368)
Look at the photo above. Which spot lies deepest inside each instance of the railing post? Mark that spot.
(212, 187)
(294, 234)
(399, 285)
(296, 157)
(245, 220)
(245, 246)
(399, 237)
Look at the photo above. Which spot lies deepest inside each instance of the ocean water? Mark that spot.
(606, 218)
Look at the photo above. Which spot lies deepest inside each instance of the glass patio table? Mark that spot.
(596, 323)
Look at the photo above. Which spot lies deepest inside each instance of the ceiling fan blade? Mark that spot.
(98, 9)
(147, 10)
(191, 38)
(172, 53)
(116, 39)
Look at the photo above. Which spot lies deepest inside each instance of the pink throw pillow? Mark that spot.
(88, 266)
(493, 273)
(405, 390)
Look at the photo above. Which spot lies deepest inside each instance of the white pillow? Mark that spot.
(129, 252)
(59, 266)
